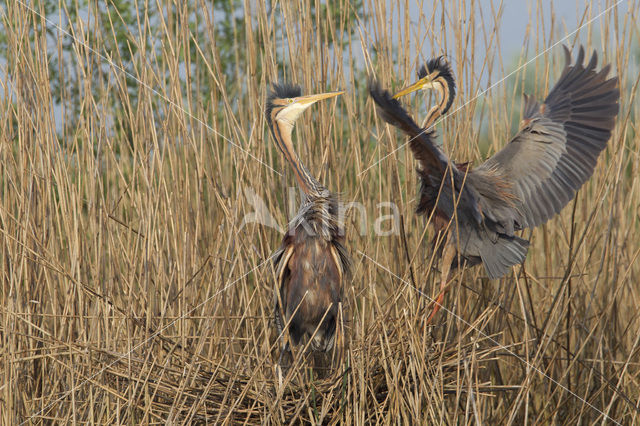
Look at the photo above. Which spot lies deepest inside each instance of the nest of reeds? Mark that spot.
(393, 369)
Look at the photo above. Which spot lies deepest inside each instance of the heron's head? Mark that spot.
(435, 74)
(285, 103)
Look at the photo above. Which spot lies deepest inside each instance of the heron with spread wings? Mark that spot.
(523, 185)
(312, 262)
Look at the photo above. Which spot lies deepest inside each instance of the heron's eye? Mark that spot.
(289, 100)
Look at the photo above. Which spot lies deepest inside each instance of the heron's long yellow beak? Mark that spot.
(310, 99)
(423, 83)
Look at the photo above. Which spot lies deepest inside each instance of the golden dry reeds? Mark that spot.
(133, 291)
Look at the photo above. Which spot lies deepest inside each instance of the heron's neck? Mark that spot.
(436, 111)
(282, 130)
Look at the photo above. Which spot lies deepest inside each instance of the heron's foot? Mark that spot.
(437, 304)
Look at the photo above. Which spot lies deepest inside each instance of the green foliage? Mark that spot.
(131, 39)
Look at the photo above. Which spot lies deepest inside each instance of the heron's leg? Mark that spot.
(284, 350)
(281, 367)
(448, 254)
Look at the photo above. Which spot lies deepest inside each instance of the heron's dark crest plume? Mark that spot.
(312, 263)
(523, 185)
(440, 68)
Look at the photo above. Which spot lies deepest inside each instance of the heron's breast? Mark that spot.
(315, 274)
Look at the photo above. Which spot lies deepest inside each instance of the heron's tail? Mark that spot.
(507, 251)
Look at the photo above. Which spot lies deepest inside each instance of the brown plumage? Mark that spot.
(522, 186)
(312, 263)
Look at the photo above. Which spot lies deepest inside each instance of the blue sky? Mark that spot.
(517, 14)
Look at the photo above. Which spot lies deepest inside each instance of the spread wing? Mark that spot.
(431, 158)
(557, 150)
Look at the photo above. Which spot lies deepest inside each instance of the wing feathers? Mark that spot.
(558, 151)
(430, 157)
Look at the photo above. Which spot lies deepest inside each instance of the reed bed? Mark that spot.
(137, 283)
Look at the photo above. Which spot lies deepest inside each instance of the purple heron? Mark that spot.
(312, 262)
(523, 185)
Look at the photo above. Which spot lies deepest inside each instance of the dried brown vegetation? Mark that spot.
(132, 294)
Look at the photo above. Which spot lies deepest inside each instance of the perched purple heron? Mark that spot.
(312, 262)
(523, 185)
